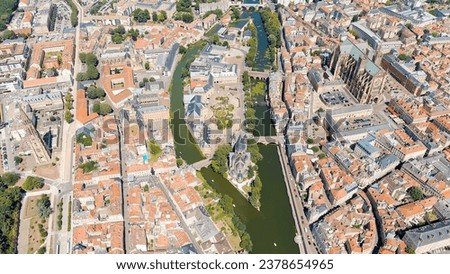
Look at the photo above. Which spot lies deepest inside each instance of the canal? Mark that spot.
(272, 229)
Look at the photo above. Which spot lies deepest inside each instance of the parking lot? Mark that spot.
(335, 98)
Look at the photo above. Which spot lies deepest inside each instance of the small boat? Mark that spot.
(212, 180)
(275, 244)
(234, 205)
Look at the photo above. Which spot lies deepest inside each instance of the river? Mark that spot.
(261, 61)
(272, 229)
(185, 145)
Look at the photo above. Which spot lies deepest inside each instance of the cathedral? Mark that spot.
(354, 65)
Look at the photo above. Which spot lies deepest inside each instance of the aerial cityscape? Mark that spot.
(224, 127)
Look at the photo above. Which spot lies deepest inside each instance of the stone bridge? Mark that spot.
(201, 164)
(268, 140)
(260, 4)
(260, 75)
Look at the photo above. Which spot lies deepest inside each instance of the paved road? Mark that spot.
(306, 245)
(180, 216)
(63, 238)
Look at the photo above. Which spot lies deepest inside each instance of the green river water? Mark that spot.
(272, 229)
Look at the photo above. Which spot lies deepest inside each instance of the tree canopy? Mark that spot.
(91, 61)
(7, 7)
(102, 108)
(415, 193)
(94, 92)
(33, 182)
(219, 161)
(44, 206)
(10, 178)
(10, 204)
(141, 15)
(88, 167)
(84, 139)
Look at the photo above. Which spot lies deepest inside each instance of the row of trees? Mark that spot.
(256, 185)
(68, 106)
(273, 30)
(226, 202)
(119, 34)
(252, 43)
(73, 14)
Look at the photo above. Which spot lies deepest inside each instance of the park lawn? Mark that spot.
(35, 240)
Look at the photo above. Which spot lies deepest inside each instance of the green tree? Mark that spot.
(102, 108)
(141, 16)
(227, 204)
(184, 5)
(154, 148)
(42, 250)
(44, 206)
(10, 204)
(69, 100)
(253, 148)
(403, 57)
(217, 12)
(235, 13)
(33, 182)
(10, 178)
(94, 92)
(74, 13)
(182, 50)
(88, 167)
(6, 11)
(415, 193)
(155, 16)
(68, 116)
(133, 33)
(162, 16)
(219, 161)
(180, 162)
(18, 160)
(92, 73)
(89, 58)
(147, 65)
(84, 139)
(105, 109)
(8, 34)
